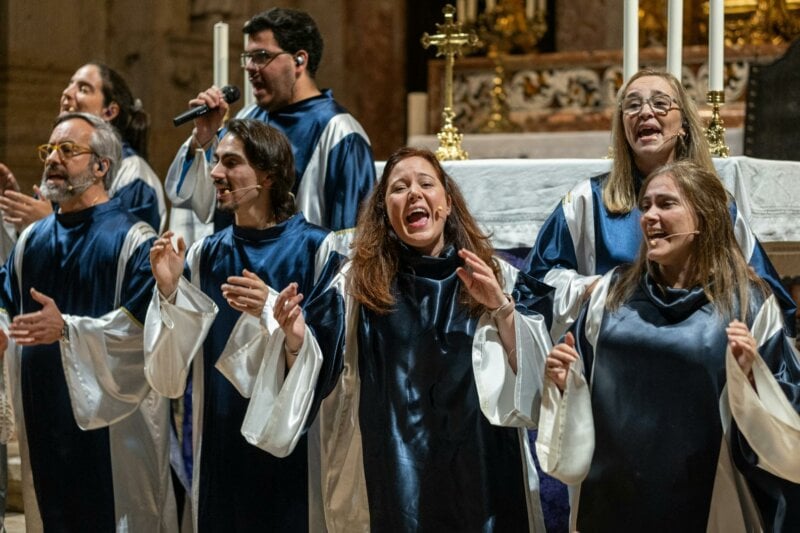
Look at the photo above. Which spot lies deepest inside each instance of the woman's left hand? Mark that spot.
(743, 346)
(479, 279)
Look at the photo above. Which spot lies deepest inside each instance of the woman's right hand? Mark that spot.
(559, 359)
(167, 263)
(289, 315)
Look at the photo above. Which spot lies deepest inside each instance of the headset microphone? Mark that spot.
(671, 235)
(243, 189)
(652, 242)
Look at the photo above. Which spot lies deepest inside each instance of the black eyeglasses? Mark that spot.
(661, 104)
(67, 150)
(260, 58)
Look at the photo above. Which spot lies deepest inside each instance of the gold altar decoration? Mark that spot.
(450, 42)
(760, 21)
(747, 22)
(501, 29)
(715, 132)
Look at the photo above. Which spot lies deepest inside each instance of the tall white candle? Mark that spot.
(529, 9)
(540, 6)
(249, 99)
(461, 10)
(220, 54)
(489, 5)
(472, 9)
(675, 37)
(630, 39)
(716, 44)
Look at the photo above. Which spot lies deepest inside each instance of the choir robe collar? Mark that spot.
(76, 218)
(673, 302)
(427, 266)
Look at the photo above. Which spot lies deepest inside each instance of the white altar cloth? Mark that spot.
(511, 198)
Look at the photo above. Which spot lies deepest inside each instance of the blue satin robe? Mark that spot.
(432, 462)
(241, 487)
(139, 190)
(333, 161)
(656, 377)
(72, 258)
(614, 240)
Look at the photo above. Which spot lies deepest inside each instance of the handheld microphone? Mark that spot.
(230, 93)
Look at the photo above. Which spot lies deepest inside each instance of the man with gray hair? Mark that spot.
(93, 435)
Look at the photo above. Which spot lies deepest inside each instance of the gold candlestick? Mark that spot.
(450, 41)
(715, 132)
(505, 28)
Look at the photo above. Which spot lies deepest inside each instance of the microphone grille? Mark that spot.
(230, 93)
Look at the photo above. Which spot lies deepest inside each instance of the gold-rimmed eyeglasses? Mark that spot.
(661, 104)
(260, 58)
(67, 150)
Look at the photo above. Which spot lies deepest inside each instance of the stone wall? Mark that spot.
(164, 50)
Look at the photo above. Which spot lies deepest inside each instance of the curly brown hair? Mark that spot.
(376, 247)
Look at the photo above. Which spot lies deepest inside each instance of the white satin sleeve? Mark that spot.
(278, 411)
(764, 415)
(506, 398)
(565, 442)
(567, 299)
(247, 345)
(570, 285)
(173, 335)
(103, 367)
(195, 189)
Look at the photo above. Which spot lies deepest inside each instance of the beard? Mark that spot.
(72, 187)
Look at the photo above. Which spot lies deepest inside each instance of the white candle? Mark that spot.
(540, 6)
(461, 10)
(529, 9)
(417, 114)
(675, 37)
(472, 9)
(630, 39)
(489, 5)
(249, 99)
(716, 44)
(220, 54)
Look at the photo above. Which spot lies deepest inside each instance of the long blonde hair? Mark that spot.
(376, 248)
(719, 266)
(619, 192)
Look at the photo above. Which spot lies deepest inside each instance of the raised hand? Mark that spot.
(558, 360)
(479, 280)
(7, 180)
(21, 209)
(40, 327)
(206, 126)
(743, 346)
(246, 293)
(289, 316)
(167, 263)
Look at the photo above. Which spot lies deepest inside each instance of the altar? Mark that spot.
(511, 198)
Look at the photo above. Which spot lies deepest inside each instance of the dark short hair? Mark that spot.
(268, 150)
(293, 30)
